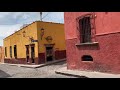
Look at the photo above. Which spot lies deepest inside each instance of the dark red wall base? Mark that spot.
(19, 61)
(15, 61)
(106, 55)
(60, 54)
(39, 60)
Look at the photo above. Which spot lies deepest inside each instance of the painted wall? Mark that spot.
(56, 31)
(107, 22)
(70, 21)
(51, 29)
(103, 20)
(18, 39)
(106, 54)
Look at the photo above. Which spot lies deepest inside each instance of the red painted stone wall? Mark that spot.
(106, 54)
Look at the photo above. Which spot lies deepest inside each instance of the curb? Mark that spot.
(42, 65)
(50, 63)
(57, 72)
(37, 66)
(27, 67)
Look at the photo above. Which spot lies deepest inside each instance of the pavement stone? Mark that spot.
(8, 71)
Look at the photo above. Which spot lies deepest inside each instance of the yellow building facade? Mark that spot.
(37, 43)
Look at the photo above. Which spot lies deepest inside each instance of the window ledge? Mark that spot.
(90, 43)
(87, 61)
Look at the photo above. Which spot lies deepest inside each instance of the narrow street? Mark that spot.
(8, 71)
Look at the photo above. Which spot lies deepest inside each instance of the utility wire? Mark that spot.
(41, 16)
(46, 15)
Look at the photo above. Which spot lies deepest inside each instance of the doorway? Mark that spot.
(49, 54)
(27, 53)
(33, 54)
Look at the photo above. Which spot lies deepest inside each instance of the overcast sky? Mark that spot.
(12, 21)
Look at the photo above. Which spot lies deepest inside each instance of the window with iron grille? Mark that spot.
(85, 29)
(15, 51)
(11, 51)
(6, 51)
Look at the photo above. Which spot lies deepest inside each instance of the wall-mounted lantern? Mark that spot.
(30, 38)
(42, 32)
(24, 33)
(93, 16)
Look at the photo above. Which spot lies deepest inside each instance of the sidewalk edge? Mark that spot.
(68, 74)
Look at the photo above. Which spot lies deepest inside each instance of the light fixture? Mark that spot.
(24, 33)
(42, 32)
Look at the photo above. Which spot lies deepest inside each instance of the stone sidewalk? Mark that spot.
(85, 74)
(36, 66)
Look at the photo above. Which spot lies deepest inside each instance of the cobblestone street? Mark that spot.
(8, 71)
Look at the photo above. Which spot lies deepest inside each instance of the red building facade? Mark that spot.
(93, 41)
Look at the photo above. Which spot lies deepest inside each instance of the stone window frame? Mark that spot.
(93, 29)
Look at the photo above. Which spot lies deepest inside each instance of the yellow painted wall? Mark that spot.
(51, 29)
(18, 39)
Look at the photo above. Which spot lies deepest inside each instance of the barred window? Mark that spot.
(85, 29)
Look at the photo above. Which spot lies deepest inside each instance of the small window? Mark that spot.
(87, 58)
(6, 51)
(15, 51)
(85, 29)
(11, 51)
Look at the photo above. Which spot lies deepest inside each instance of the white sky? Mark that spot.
(12, 21)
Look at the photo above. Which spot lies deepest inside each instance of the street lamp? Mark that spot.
(24, 33)
(30, 38)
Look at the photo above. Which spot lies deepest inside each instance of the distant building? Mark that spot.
(93, 41)
(1, 54)
(36, 43)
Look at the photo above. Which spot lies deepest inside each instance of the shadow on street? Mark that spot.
(4, 74)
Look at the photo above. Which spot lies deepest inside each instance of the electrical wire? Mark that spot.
(46, 15)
